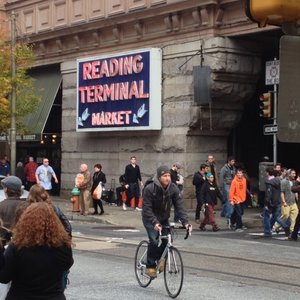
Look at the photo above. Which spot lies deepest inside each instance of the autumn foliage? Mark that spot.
(26, 100)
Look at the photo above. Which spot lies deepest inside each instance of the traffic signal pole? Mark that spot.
(269, 103)
(275, 124)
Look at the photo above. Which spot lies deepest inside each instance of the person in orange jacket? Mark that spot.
(237, 196)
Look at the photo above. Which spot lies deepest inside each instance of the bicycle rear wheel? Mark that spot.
(140, 261)
(173, 272)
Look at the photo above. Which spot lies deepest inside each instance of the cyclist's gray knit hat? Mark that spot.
(162, 170)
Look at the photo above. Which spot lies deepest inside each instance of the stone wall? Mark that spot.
(189, 132)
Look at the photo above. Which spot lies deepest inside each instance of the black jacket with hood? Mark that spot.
(198, 181)
(210, 192)
(157, 203)
(273, 192)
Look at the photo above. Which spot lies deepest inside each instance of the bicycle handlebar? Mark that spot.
(172, 225)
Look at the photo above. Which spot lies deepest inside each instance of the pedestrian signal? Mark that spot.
(265, 104)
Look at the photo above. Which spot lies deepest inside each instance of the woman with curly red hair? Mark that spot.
(37, 257)
(38, 194)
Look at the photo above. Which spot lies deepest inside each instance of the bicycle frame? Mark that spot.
(167, 248)
(173, 267)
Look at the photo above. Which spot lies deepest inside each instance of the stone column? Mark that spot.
(200, 130)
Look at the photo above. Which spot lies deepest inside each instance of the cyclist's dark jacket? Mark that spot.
(157, 203)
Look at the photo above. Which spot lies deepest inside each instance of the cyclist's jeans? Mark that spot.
(154, 252)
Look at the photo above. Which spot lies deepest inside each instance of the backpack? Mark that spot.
(269, 197)
(122, 179)
(147, 182)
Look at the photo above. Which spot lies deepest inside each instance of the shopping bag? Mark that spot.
(97, 193)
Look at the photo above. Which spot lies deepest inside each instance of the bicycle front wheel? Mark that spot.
(140, 261)
(173, 272)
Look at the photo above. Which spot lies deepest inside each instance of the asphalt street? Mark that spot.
(217, 266)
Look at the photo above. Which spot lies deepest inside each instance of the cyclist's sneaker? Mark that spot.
(138, 209)
(161, 265)
(239, 230)
(124, 206)
(151, 272)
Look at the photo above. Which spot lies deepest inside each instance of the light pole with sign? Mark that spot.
(272, 78)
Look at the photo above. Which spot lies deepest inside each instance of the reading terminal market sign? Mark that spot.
(119, 92)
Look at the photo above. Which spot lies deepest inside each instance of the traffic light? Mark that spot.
(265, 105)
(273, 12)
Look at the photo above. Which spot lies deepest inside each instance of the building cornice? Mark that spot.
(150, 22)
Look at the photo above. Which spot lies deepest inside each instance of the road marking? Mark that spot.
(94, 245)
(127, 230)
(278, 236)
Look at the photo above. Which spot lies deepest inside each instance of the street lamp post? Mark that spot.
(13, 95)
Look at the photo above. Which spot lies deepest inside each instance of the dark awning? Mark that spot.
(47, 83)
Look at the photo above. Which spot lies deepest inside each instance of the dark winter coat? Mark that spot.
(132, 174)
(226, 175)
(296, 187)
(198, 181)
(20, 173)
(8, 211)
(210, 193)
(35, 273)
(97, 177)
(63, 219)
(174, 175)
(157, 203)
(273, 192)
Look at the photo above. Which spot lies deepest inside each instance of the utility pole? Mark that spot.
(13, 96)
(272, 78)
(275, 122)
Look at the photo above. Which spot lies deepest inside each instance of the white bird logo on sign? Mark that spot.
(140, 113)
(83, 117)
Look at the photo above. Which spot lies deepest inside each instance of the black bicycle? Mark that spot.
(172, 266)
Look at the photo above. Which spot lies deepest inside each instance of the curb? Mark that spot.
(116, 216)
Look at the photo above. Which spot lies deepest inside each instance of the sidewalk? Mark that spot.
(115, 215)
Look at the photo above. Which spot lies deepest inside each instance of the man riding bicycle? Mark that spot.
(158, 198)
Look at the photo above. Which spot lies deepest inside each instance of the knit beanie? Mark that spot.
(162, 170)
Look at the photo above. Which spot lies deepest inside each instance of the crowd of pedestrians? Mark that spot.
(40, 229)
(35, 244)
(281, 202)
(230, 188)
(230, 185)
